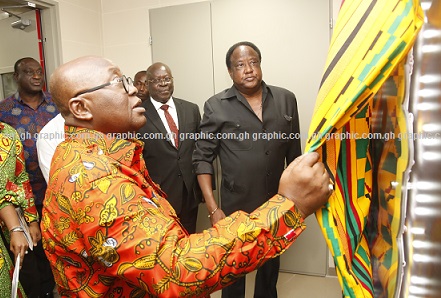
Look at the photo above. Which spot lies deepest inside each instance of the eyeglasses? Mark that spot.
(126, 82)
(166, 80)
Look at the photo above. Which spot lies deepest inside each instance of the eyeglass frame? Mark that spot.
(166, 80)
(126, 82)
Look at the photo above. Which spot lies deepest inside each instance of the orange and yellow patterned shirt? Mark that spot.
(108, 231)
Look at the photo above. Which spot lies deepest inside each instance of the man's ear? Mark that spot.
(79, 108)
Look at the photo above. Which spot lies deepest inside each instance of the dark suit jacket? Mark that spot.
(172, 168)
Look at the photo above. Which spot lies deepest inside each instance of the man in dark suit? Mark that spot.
(168, 156)
(256, 132)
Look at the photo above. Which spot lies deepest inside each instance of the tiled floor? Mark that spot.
(297, 285)
(293, 286)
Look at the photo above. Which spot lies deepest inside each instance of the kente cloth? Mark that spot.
(370, 39)
(391, 150)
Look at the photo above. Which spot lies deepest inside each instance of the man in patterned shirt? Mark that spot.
(28, 110)
(108, 230)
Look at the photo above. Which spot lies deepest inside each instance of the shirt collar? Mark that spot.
(233, 92)
(112, 145)
(44, 97)
(158, 105)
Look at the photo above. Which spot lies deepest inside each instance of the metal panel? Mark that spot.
(181, 38)
(423, 235)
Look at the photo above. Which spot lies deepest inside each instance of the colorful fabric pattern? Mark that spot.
(28, 123)
(14, 182)
(14, 189)
(370, 39)
(108, 231)
(390, 172)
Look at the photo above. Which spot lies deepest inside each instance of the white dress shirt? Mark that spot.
(48, 139)
(171, 110)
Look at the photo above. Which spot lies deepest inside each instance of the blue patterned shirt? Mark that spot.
(28, 123)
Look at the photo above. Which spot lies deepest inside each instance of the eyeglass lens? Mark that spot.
(127, 81)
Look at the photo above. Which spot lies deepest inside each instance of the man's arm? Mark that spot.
(205, 152)
(296, 149)
(205, 183)
(138, 241)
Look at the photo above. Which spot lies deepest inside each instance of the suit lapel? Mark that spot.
(181, 116)
(181, 113)
(153, 117)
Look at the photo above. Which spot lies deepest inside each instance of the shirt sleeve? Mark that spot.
(16, 188)
(207, 146)
(48, 139)
(295, 149)
(115, 230)
(45, 151)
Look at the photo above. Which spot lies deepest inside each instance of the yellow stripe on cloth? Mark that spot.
(370, 39)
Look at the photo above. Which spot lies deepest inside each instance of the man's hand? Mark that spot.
(34, 230)
(18, 245)
(306, 183)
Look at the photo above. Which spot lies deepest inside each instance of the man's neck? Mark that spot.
(31, 99)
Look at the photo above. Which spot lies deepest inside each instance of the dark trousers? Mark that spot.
(264, 286)
(189, 212)
(36, 274)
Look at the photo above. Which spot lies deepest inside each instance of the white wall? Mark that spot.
(126, 31)
(17, 43)
(80, 28)
(118, 30)
(77, 26)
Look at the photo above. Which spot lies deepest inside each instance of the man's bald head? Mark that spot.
(91, 92)
(160, 82)
(73, 77)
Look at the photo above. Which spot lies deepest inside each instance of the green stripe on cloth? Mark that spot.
(370, 39)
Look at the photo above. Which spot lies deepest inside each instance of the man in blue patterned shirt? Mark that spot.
(28, 110)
